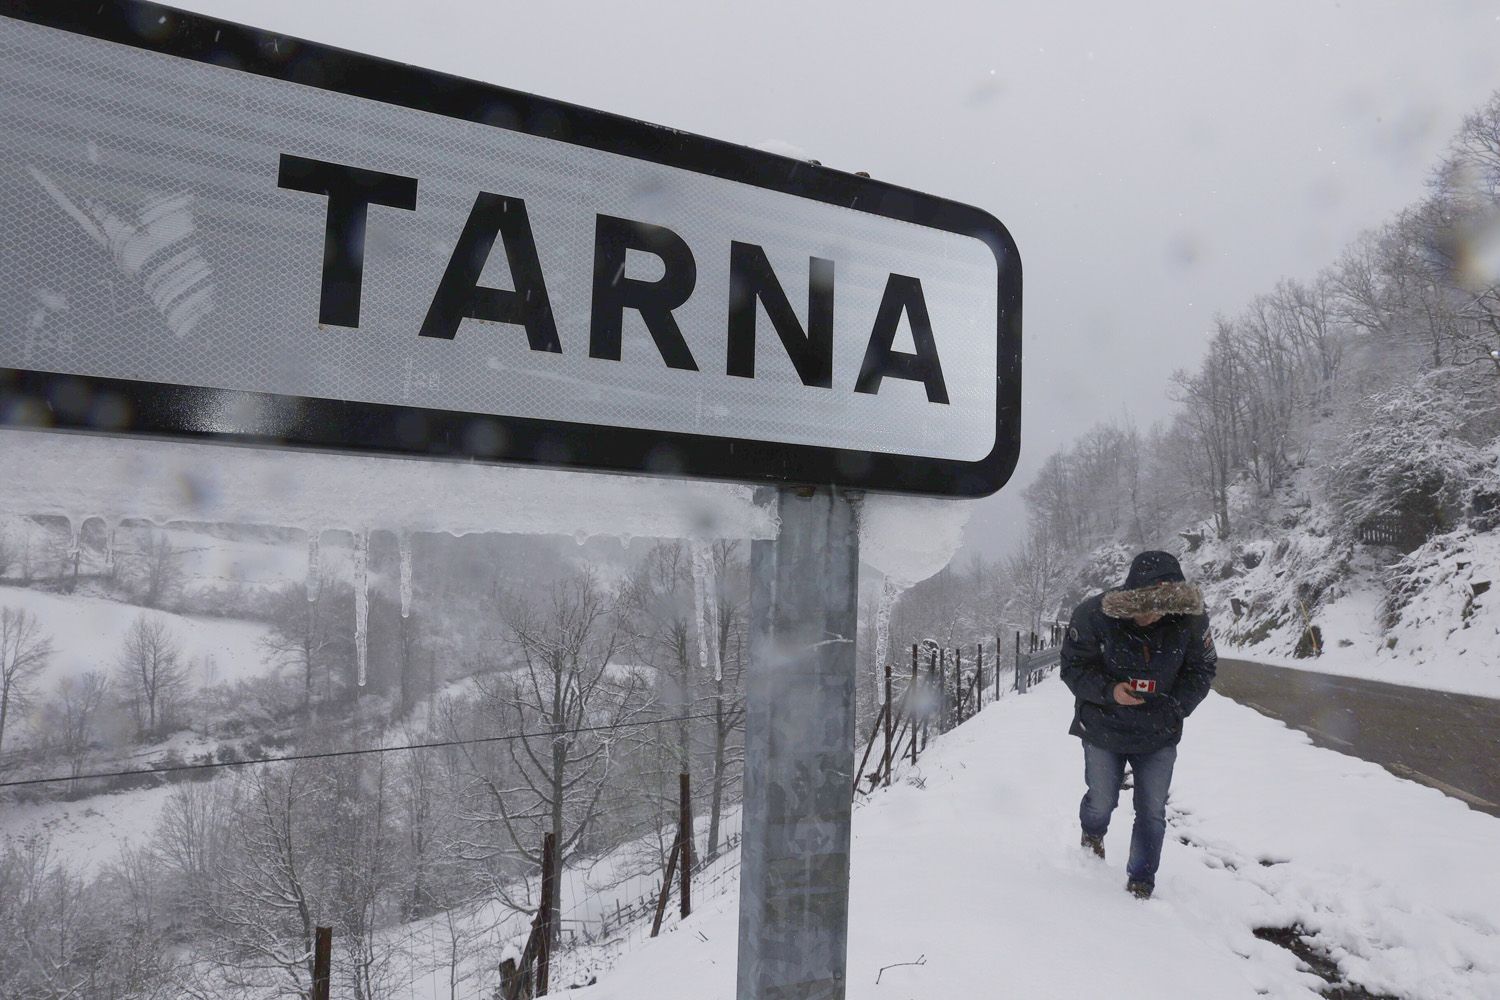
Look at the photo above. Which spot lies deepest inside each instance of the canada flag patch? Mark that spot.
(1140, 685)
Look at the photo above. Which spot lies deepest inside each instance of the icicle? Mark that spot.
(111, 525)
(361, 600)
(75, 528)
(314, 570)
(404, 541)
(889, 591)
(706, 603)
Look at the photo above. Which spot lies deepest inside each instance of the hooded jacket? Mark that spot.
(1172, 663)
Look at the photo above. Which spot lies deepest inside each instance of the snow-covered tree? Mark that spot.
(24, 651)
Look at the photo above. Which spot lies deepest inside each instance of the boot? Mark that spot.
(1095, 844)
(1140, 890)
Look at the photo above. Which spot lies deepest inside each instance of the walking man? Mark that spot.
(1138, 659)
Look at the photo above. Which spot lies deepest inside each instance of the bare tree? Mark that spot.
(151, 669)
(264, 911)
(658, 601)
(1037, 570)
(727, 681)
(304, 633)
(191, 843)
(159, 565)
(560, 705)
(73, 717)
(10, 552)
(1211, 411)
(24, 652)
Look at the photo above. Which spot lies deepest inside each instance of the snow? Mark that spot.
(82, 475)
(88, 632)
(970, 863)
(909, 539)
(90, 833)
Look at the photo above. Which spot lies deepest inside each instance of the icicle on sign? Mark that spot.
(209, 230)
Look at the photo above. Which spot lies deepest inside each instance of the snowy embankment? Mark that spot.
(88, 633)
(969, 865)
(1428, 620)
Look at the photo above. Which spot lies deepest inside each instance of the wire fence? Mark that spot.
(525, 932)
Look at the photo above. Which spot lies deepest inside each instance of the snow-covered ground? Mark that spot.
(970, 866)
(88, 633)
(92, 832)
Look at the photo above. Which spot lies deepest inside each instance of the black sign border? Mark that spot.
(46, 399)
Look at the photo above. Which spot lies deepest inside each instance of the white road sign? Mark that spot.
(209, 230)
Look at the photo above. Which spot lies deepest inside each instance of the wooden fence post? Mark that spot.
(914, 705)
(508, 975)
(958, 686)
(549, 905)
(322, 958)
(932, 691)
(998, 647)
(889, 724)
(978, 676)
(685, 838)
(666, 884)
(859, 772)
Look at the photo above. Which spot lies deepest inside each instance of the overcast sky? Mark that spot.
(1156, 162)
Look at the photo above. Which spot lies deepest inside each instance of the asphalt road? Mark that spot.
(1448, 741)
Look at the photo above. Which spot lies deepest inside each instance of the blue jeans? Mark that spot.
(1103, 770)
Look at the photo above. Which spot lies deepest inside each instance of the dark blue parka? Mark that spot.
(1099, 651)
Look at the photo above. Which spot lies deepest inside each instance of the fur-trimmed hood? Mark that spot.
(1174, 598)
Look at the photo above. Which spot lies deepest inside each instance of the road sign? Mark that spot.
(208, 230)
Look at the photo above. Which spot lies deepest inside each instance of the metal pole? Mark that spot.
(1019, 688)
(799, 750)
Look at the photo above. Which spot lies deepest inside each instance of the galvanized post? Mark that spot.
(799, 751)
(1020, 687)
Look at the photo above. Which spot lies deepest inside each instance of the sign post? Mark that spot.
(799, 750)
(213, 232)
